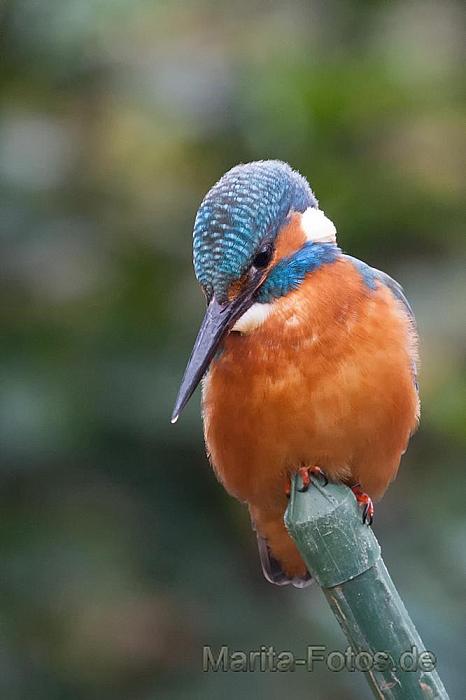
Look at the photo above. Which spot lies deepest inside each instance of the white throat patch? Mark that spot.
(253, 317)
(317, 227)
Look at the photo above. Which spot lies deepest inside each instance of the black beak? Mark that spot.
(218, 321)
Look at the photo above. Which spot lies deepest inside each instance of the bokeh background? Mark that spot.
(120, 555)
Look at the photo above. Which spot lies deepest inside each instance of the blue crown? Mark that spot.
(247, 206)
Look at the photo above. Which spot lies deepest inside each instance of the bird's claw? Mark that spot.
(287, 487)
(368, 514)
(305, 474)
(368, 510)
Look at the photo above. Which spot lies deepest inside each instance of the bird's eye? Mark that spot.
(262, 258)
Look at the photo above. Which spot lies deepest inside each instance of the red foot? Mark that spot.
(368, 510)
(306, 472)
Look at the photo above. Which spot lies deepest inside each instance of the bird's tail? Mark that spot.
(272, 570)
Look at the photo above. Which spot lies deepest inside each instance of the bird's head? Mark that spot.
(239, 257)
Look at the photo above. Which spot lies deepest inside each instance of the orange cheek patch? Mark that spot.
(290, 238)
(236, 288)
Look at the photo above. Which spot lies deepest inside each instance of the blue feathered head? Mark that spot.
(240, 215)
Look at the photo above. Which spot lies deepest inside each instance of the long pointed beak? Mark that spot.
(218, 321)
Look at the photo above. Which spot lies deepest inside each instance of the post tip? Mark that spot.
(174, 418)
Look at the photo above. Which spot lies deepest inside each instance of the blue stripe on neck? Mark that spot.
(289, 272)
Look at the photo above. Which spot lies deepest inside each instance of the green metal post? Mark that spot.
(344, 557)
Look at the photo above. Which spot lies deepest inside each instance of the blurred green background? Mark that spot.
(120, 555)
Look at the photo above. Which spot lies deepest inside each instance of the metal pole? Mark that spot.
(344, 557)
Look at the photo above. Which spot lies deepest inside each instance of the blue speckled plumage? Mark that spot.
(247, 206)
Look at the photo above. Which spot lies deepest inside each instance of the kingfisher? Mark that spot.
(308, 357)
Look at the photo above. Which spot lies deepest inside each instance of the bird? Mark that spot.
(308, 356)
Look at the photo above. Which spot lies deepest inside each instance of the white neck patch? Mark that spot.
(253, 317)
(317, 227)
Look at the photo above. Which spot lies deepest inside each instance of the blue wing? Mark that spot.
(371, 276)
(397, 291)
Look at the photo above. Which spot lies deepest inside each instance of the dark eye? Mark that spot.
(262, 258)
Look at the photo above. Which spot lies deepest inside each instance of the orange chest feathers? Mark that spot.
(326, 380)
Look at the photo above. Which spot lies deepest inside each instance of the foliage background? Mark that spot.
(120, 554)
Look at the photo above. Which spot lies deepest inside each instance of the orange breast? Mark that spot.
(326, 380)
